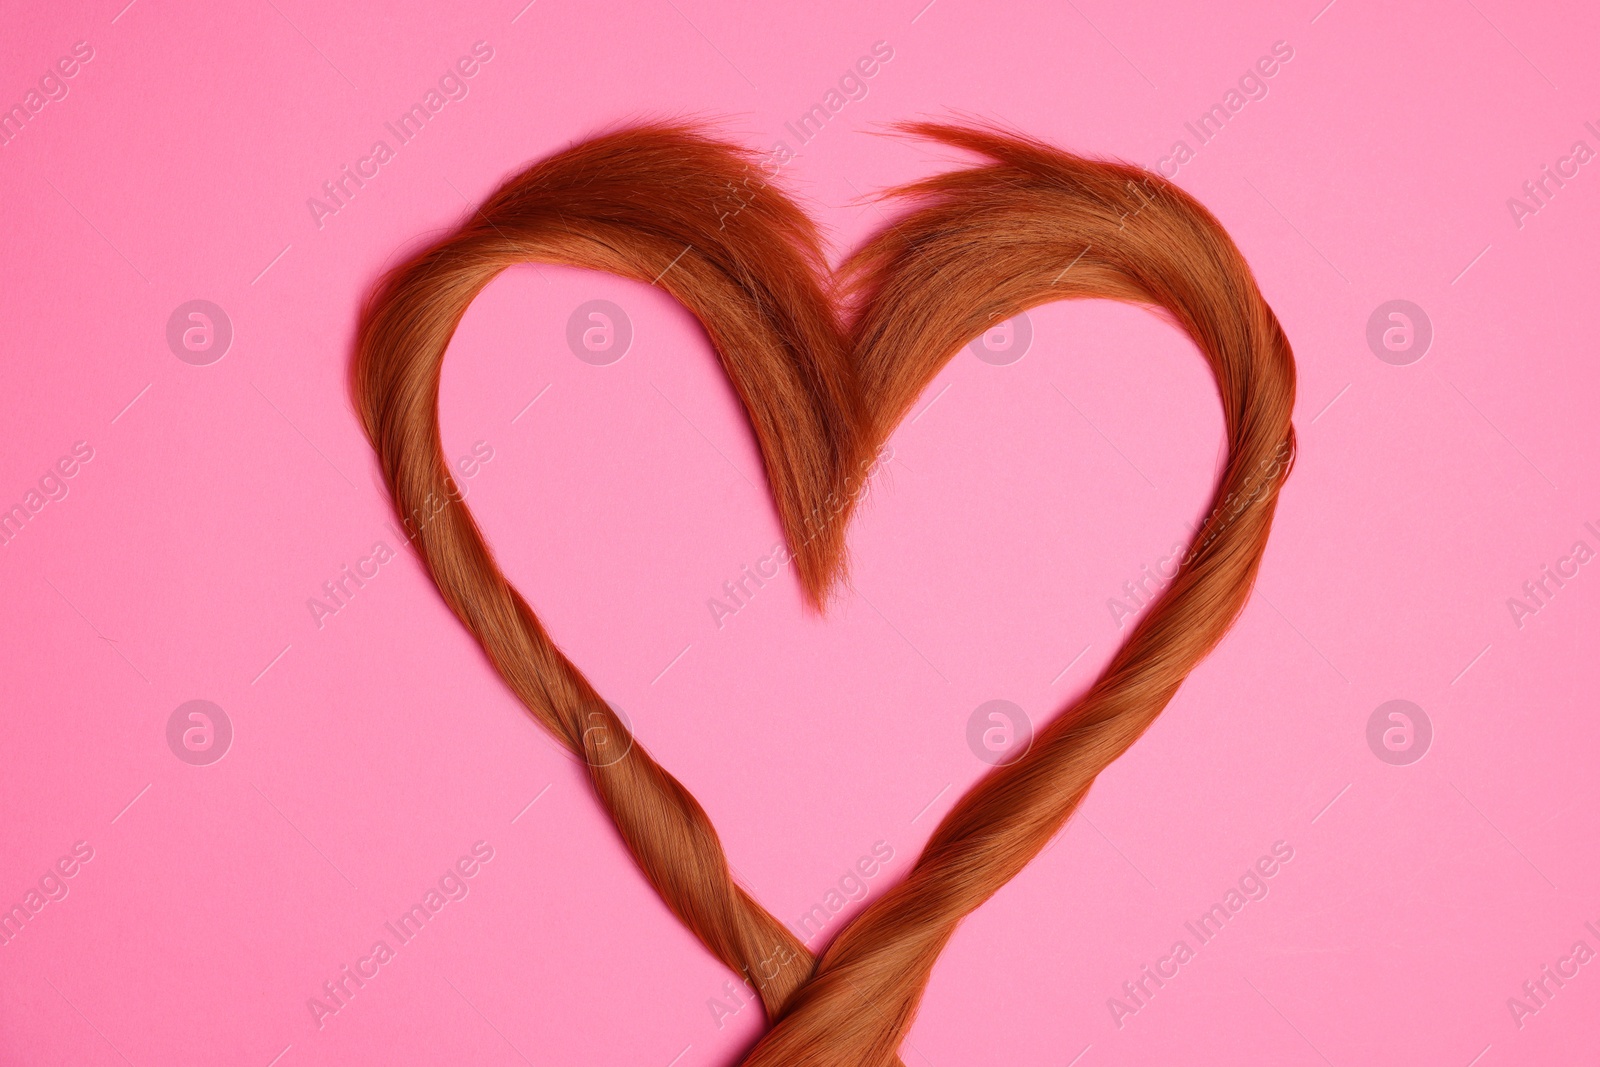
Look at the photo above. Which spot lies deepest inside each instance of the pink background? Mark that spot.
(372, 752)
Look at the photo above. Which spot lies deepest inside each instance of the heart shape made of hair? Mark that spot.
(823, 388)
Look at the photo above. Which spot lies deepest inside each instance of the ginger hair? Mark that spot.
(1029, 225)
(670, 206)
(1026, 225)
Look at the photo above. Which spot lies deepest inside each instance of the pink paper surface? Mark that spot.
(372, 747)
